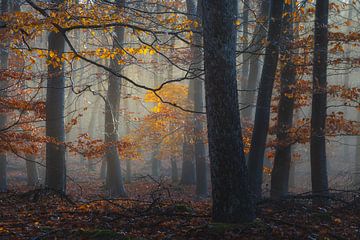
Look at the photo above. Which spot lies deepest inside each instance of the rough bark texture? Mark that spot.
(281, 170)
(262, 114)
(4, 54)
(55, 92)
(115, 181)
(231, 195)
(319, 178)
(255, 49)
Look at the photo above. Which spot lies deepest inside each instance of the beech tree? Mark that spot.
(262, 114)
(115, 183)
(319, 179)
(4, 54)
(232, 201)
(55, 130)
(281, 169)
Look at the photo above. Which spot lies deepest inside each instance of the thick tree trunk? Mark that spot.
(255, 50)
(55, 92)
(115, 181)
(319, 178)
(4, 55)
(281, 170)
(231, 194)
(262, 115)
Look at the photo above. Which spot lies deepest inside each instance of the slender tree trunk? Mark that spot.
(114, 175)
(246, 57)
(319, 178)
(231, 194)
(281, 170)
(198, 99)
(155, 162)
(32, 174)
(174, 171)
(262, 115)
(4, 55)
(91, 130)
(128, 177)
(255, 50)
(55, 92)
(357, 158)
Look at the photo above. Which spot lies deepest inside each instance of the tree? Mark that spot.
(319, 179)
(262, 114)
(55, 130)
(281, 170)
(231, 194)
(114, 176)
(197, 98)
(255, 48)
(4, 55)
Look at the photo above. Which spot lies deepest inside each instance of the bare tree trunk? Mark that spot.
(174, 171)
(198, 99)
(231, 194)
(55, 92)
(155, 162)
(319, 178)
(246, 57)
(255, 50)
(32, 174)
(262, 115)
(357, 158)
(4, 55)
(114, 175)
(281, 170)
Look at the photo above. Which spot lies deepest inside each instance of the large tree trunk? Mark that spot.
(55, 92)
(319, 178)
(262, 115)
(115, 183)
(249, 93)
(231, 194)
(4, 55)
(281, 170)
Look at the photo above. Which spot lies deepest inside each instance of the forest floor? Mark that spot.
(159, 210)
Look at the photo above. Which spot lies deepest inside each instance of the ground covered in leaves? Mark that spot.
(159, 210)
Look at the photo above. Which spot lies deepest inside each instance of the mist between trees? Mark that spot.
(243, 100)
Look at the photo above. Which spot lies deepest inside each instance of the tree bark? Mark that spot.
(4, 55)
(262, 114)
(231, 194)
(115, 181)
(319, 178)
(281, 170)
(55, 92)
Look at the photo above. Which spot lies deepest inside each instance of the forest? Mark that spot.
(180, 119)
